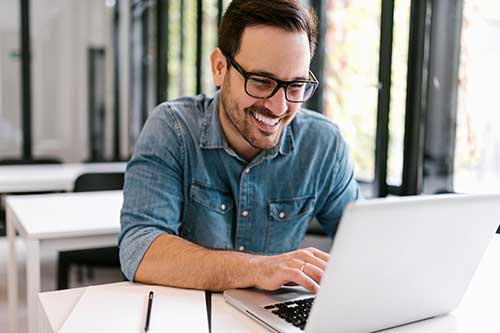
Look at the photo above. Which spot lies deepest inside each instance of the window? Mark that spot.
(401, 31)
(477, 154)
(351, 80)
(351, 74)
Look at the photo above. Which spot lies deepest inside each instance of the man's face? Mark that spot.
(271, 52)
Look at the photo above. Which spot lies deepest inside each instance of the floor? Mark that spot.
(49, 276)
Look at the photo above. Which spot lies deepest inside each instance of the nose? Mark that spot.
(277, 104)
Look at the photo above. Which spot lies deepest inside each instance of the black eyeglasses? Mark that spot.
(263, 87)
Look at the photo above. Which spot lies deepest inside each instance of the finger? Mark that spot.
(301, 261)
(308, 257)
(319, 263)
(313, 272)
(320, 254)
(300, 278)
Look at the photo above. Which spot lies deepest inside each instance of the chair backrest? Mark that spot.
(99, 181)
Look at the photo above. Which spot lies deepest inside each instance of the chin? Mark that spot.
(264, 145)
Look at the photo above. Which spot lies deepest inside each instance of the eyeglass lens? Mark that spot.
(262, 87)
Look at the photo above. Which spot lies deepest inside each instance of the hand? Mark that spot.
(304, 267)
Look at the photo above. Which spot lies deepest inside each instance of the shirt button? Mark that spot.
(247, 170)
(244, 213)
(223, 207)
(241, 248)
(282, 215)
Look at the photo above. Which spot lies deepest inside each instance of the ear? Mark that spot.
(219, 66)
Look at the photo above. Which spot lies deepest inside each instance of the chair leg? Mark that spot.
(79, 274)
(62, 273)
(90, 273)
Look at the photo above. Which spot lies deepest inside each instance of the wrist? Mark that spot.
(253, 269)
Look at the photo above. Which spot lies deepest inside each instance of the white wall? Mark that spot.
(63, 30)
(10, 128)
(61, 33)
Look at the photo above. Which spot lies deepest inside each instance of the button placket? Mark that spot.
(243, 235)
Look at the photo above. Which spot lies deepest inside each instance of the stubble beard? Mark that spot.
(240, 119)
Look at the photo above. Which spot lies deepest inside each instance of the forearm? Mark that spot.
(176, 262)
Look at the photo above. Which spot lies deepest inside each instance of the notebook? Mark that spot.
(121, 307)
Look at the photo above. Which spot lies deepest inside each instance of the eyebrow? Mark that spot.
(271, 75)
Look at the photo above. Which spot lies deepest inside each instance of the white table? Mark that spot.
(478, 311)
(55, 222)
(55, 306)
(49, 177)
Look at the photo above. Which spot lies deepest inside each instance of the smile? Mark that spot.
(266, 120)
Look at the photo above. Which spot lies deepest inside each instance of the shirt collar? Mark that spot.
(212, 135)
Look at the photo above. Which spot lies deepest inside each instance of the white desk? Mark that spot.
(59, 222)
(181, 310)
(49, 177)
(478, 311)
(55, 306)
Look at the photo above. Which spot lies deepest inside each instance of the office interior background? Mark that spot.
(411, 83)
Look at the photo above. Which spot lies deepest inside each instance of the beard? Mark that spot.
(242, 120)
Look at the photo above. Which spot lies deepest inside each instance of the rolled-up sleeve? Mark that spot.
(152, 191)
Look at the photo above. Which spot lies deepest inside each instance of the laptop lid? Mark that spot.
(399, 260)
(393, 261)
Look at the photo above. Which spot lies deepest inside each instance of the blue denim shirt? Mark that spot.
(184, 179)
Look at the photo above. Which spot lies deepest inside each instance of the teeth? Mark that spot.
(266, 120)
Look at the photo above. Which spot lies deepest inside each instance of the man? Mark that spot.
(219, 191)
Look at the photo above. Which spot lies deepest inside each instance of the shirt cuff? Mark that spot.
(133, 247)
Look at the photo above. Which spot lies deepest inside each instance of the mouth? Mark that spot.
(265, 123)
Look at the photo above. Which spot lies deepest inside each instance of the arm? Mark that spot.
(176, 262)
(340, 188)
(151, 251)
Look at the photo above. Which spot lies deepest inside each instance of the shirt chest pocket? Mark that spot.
(288, 221)
(209, 215)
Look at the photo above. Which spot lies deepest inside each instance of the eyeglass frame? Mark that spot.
(280, 83)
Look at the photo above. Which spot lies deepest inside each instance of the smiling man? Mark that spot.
(219, 191)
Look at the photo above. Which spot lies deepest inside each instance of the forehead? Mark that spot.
(269, 49)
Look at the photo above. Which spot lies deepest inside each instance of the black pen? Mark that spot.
(148, 314)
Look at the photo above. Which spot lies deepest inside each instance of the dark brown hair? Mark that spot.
(289, 15)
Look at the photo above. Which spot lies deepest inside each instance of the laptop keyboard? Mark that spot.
(294, 312)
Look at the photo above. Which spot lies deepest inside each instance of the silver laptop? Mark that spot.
(393, 261)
